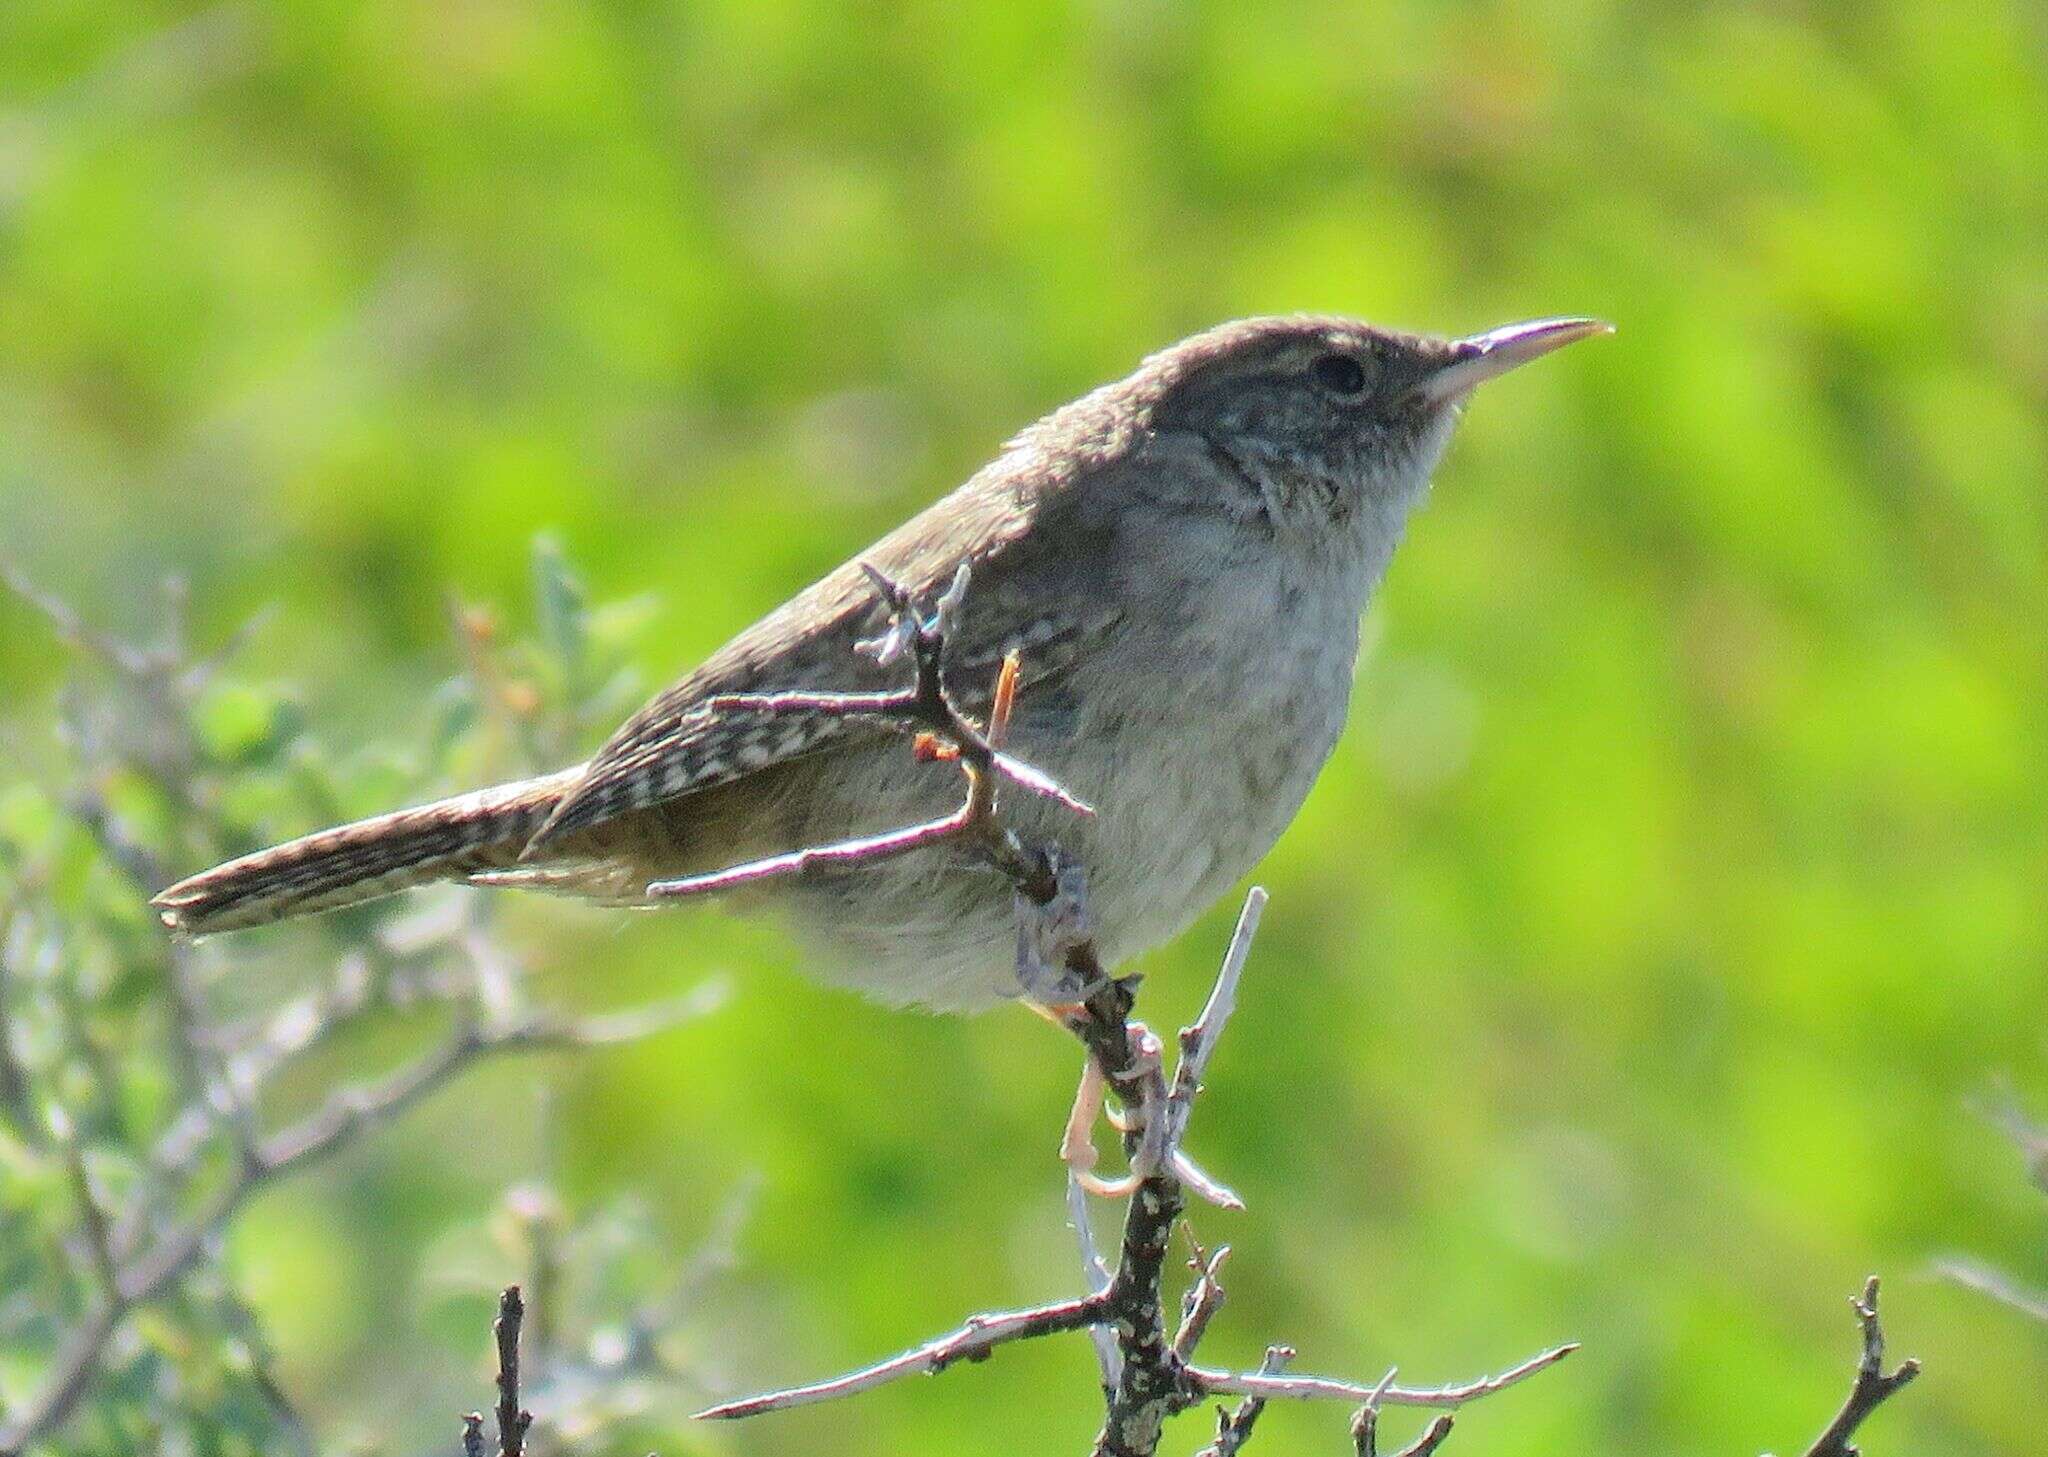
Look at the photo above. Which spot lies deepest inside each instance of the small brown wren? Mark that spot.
(1181, 559)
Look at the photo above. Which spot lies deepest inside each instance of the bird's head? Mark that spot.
(1325, 418)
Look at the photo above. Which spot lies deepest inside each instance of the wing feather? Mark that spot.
(679, 745)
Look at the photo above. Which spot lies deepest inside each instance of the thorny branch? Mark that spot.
(143, 1250)
(1148, 1374)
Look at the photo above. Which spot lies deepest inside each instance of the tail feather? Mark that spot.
(448, 839)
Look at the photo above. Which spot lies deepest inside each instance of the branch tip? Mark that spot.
(1872, 1386)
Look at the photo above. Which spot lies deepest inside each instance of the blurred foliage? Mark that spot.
(94, 1070)
(1683, 875)
(145, 1094)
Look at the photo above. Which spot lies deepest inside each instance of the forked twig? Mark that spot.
(1365, 1434)
(1234, 1427)
(943, 733)
(1203, 1299)
(1872, 1387)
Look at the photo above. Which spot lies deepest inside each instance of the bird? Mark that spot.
(1180, 560)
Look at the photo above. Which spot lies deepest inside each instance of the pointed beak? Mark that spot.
(1479, 358)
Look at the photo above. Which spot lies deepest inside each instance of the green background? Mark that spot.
(1683, 875)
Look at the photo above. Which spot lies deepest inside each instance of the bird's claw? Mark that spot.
(1145, 1125)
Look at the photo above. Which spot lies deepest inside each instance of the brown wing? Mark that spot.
(679, 745)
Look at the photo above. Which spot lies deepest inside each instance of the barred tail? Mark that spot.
(445, 840)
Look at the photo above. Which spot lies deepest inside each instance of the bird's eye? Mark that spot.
(1340, 374)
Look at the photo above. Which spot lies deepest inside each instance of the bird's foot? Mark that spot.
(1145, 1129)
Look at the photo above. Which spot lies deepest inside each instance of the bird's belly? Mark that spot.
(1218, 791)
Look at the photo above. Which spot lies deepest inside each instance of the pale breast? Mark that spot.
(1200, 792)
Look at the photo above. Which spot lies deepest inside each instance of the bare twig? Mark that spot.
(1365, 1423)
(1994, 1282)
(1147, 1375)
(1322, 1388)
(244, 1062)
(1203, 1299)
(17, 1102)
(1107, 1358)
(1872, 1386)
(263, 1371)
(72, 627)
(1432, 1437)
(2030, 1139)
(973, 1341)
(1365, 1426)
(1198, 1042)
(864, 851)
(91, 1217)
(513, 1419)
(248, 1060)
